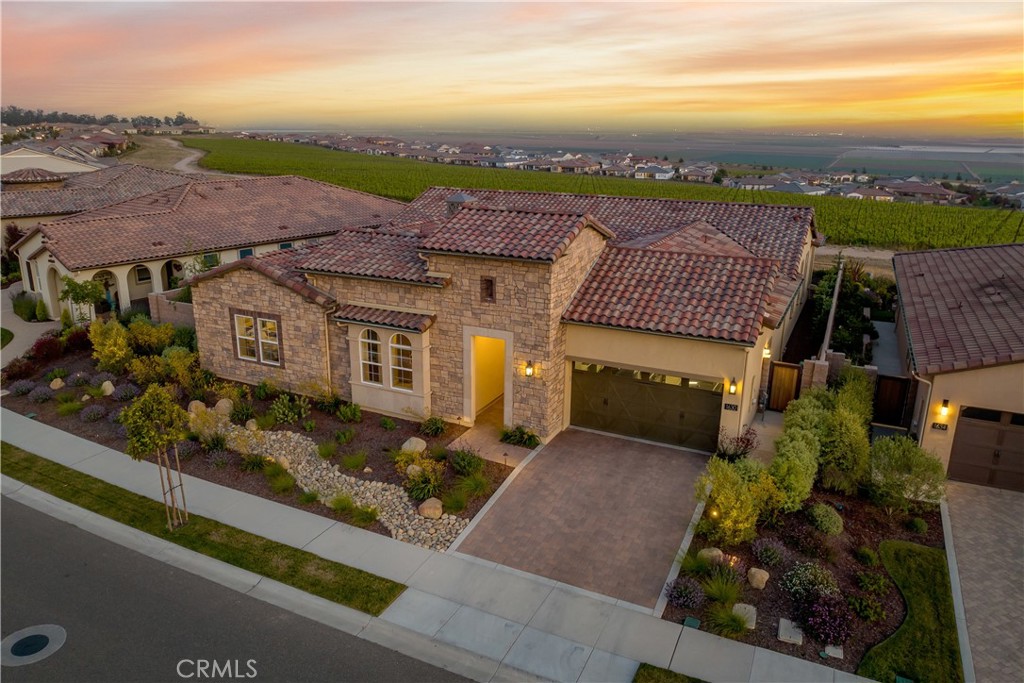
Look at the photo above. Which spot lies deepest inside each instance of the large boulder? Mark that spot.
(414, 444)
(196, 407)
(758, 578)
(713, 554)
(224, 406)
(107, 387)
(431, 508)
(57, 383)
(251, 425)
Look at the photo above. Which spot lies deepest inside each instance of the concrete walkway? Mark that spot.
(988, 536)
(25, 333)
(477, 618)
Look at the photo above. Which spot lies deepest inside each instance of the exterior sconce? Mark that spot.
(529, 369)
(766, 353)
(732, 386)
(944, 410)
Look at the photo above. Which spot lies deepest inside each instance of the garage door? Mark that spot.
(989, 449)
(648, 405)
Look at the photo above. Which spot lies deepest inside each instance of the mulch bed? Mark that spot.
(864, 525)
(371, 438)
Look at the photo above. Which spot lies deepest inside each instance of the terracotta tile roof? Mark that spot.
(91, 190)
(692, 295)
(398, 320)
(371, 254)
(279, 266)
(211, 215)
(963, 308)
(697, 238)
(507, 233)
(765, 230)
(32, 175)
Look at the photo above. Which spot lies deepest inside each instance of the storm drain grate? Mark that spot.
(32, 644)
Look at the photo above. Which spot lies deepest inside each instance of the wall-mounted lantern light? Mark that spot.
(529, 369)
(767, 353)
(732, 386)
(944, 410)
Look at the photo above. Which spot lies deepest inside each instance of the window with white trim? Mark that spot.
(142, 274)
(247, 251)
(401, 362)
(245, 336)
(270, 342)
(258, 338)
(370, 358)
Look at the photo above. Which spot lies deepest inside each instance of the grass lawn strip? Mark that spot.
(297, 568)
(5, 337)
(925, 648)
(648, 673)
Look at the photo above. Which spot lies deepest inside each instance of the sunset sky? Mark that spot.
(892, 67)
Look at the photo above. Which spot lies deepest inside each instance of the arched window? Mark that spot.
(369, 357)
(401, 362)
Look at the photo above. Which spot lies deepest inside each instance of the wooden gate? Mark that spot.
(785, 385)
(891, 400)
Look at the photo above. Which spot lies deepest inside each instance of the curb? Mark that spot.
(960, 615)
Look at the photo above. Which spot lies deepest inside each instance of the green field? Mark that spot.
(844, 221)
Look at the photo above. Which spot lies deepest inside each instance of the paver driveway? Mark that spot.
(988, 536)
(594, 511)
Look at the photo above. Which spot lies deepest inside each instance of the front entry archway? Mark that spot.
(111, 296)
(53, 287)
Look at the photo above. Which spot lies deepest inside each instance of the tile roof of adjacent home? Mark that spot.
(90, 190)
(211, 215)
(963, 308)
(693, 295)
(32, 175)
(510, 233)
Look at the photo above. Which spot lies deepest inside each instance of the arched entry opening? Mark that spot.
(171, 274)
(53, 287)
(111, 297)
(140, 284)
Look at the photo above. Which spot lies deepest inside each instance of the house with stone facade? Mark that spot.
(651, 318)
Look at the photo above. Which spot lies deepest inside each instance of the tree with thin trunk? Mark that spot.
(154, 424)
(81, 295)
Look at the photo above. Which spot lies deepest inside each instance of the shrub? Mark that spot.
(78, 379)
(42, 313)
(901, 471)
(219, 459)
(114, 416)
(185, 336)
(187, 449)
(844, 452)
(433, 426)
(264, 390)
(917, 525)
(465, 461)
(242, 412)
(812, 543)
(55, 373)
(100, 377)
(519, 436)
(867, 608)
(266, 421)
(148, 370)
(474, 485)
(808, 579)
(21, 387)
(722, 621)
(92, 413)
(806, 412)
(47, 348)
(309, 497)
(350, 412)
(40, 394)
(66, 321)
(856, 393)
(733, 448)
(768, 551)
(24, 306)
(327, 449)
(354, 461)
(342, 504)
(327, 401)
(685, 592)
(301, 407)
(110, 346)
(76, 339)
(19, 368)
(344, 436)
(866, 556)
(387, 424)
(133, 312)
(282, 483)
(272, 468)
(215, 442)
(694, 565)
(825, 519)
(454, 501)
(875, 583)
(795, 466)
(438, 452)
(427, 483)
(284, 409)
(125, 392)
(827, 618)
(69, 407)
(149, 339)
(731, 511)
(363, 516)
(722, 587)
(252, 463)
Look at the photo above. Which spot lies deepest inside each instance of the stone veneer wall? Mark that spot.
(301, 330)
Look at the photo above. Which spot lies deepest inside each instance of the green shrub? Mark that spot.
(454, 501)
(866, 556)
(343, 504)
(519, 436)
(24, 306)
(465, 461)
(42, 313)
(185, 337)
(731, 510)
(856, 393)
(309, 426)
(433, 426)
(350, 412)
(474, 485)
(825, 519)
(344, 436)
(149, 339)
(148, 370)
(354, 461)
(387, 424)
(875, 583)
(56, 373)
(215, 442)
(363, 516)
(901, 471)
(110, 346)
(327, 401)
(427, 483)
(917, 525)
(722, 587)
(264, 390)
(795, 466)
(807, 412)
(867, 608)
(282, 483)
(722, 621)
(266, 421)
(284, 409)
(807, 579)
(694, 565)
(327, 449)
(844, 452)
(438, 452)
(242, 412)
(309, 497)
(69, 407)
(253, 463)
(66, 320)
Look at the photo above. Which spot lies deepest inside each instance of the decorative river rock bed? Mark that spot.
(298, 454)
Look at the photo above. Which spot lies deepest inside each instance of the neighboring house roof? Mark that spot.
(32, 175)
(962, 308)
(91, 190)
(209, 216)
(397, 320)
(371, 254)
(693, 295)
(279, 266)
(510, 233)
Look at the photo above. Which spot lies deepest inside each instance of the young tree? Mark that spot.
(154, 424)
(81, 294)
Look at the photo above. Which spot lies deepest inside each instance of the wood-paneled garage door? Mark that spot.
(989, 448)
(648, 405)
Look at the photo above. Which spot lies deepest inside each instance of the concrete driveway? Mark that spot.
(988, 536)
(594, 511)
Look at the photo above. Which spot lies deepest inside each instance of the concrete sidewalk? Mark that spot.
(478, 618)
(25, 333)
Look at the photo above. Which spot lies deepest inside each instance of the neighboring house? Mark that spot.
(19, 156)
(147, 243)
(654, 172)
(752, 183)
(704, 173)
(872, 193)
(652, 318)
(961, 325)
(914, 189)
(576, 166)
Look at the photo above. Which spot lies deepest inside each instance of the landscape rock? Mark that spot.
(367, 470)
(713, 554)
(251, 426)
(413, 471)
(414, 444)
(224, 406)
(57, 383)
(85, 397)
(758, 578)
(748, 612)
(194, 407)
(431, 508)
(834, 651)
(283, 462)
(107, 387)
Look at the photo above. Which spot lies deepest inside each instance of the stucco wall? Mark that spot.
(163, 310)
